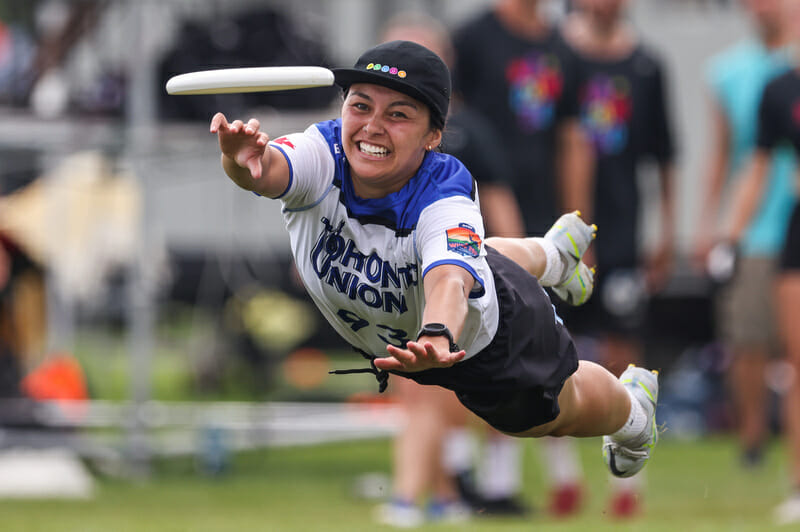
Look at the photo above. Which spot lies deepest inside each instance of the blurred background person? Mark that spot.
(441, 435)
(491, 486)
(422, 488)
(17, 52)
(10, 361)
(513, 67)
(779, 122)
(623, 108)
(745, 308)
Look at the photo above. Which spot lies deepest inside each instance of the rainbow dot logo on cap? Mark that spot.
(394, 71)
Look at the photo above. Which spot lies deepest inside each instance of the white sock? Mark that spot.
(634, 426)
(500, 471)
(554, 267)
(459, 451)
(561, 462)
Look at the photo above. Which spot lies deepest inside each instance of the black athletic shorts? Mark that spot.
(790, 258)
(513, 383)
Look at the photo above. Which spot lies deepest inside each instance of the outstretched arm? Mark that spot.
(447, 290)
(576, 169)
(501, 212)
(247, 158)
(715, 174)
(748, 194)
(660, 261)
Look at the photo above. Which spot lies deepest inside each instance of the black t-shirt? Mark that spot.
(779, 112)
(524, 88)
(779, 122)
(623, 108)
(471, 139)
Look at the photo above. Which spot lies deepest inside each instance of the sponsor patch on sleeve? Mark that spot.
(284, 142)
(464, 240)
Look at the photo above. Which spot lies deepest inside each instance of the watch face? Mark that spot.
(435, 327)
(438, 329)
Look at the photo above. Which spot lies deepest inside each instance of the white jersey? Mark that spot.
(363, 260)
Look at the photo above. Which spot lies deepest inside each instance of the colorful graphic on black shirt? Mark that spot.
(606, 111)
(535, 84)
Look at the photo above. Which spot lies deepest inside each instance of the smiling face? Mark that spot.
(385, 136)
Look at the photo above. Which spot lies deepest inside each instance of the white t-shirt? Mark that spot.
(363, 260)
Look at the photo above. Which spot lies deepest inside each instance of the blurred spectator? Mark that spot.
(9, 362)
(35, 57)
(779, 122)
(513, 67)
(419, 473)
(255, 38)
(441, 435)
(746, 311)
(60, 27)
(22, 315)
(624, 111)
(17, 51)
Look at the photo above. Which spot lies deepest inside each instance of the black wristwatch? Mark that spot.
(439, 329)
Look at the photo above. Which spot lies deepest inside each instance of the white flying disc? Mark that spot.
(259, 79)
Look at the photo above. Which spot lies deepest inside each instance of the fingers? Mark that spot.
(457, 357)
(251, 128)
(417, 357)
(254, 166)
(403, 356)
(389, 364)
(217, 122)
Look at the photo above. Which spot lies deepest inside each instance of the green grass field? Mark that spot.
(689, 486)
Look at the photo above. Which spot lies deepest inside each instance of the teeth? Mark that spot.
(371, 149)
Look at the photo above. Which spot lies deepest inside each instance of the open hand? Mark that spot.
(242, 143)
(418, 356)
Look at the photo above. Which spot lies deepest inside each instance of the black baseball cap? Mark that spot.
(406, 67)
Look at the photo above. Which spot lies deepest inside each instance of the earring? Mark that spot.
(428, 147)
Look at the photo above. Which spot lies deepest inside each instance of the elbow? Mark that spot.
(455, 285)
(464, 286)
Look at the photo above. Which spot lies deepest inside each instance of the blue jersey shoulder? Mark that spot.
(440, 176)
(331, 131)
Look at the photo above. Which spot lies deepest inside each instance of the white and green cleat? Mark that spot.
(571, 236)
(625, 459)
